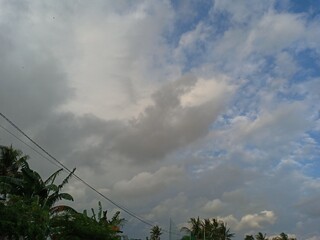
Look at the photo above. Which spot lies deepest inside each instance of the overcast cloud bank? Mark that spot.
(172, 109)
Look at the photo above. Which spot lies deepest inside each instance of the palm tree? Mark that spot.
(249, 237)
(195, 229)
(225, 233)
(23, 189)
(30, 185)
(210, 229)
(283, 236)
(155, 232)
(11, 160)
(261, 236)
(54, 193)
(207, 228)
(74, 225)
(114, 223)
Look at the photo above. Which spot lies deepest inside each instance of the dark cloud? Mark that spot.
(167, 125)
(80, 140)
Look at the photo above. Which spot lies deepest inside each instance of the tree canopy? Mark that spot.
(29, 209)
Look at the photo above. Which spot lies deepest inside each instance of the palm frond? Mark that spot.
(66, 180)
(62, 209)
(53, 176)
(93, 214)
(185, 229)
(100, 211)
(52, 188)
(55, 197)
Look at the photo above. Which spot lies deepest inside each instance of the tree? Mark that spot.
(28, 207)
(224, 232)
(70, 225)
(28, 202)
(195, 229)
(261, 236)
(186, 237)
(23, 218)
(155, 233)
(249, 237)
(207, 228)
(11, 160)
(29, 184)
(210, 229)
(283, 236)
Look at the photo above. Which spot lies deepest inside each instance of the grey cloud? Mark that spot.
(81, 140)
(32, 89)
(33, 81)
(118, 155)
(221, 179)
(166, 125)
(310, 206)
(162, 128)
(147, 184)
(176, 206)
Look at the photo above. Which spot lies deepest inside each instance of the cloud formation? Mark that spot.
(198, 108)
(177, 118)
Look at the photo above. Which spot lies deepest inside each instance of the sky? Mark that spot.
(173, 109)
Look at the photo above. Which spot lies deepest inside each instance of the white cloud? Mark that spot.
(274, 32)
(145, 183)
(254, 221)
(280, 125)
(117, 57)
(190, 42)
(286, 66)
(215, 206)
(257, 220)
(205, 91)
(175, 207)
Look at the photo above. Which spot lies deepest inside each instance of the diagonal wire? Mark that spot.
(35, 150)
(76, 176)
(59, 164)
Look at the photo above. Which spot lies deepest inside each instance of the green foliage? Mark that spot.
(81, 226)
(209, 229)
(261, 236)
(186, 237)
(25, 218)
(249, 237)
(28, 209)
(155, 232)
(11, 161)
(283, 236)
(78, 226)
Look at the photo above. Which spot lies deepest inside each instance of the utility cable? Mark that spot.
(70, 171)
(76, 176)
(35, 150)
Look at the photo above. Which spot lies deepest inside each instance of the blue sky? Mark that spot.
(173, 108)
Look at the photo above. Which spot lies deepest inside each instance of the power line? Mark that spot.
(57, 163)
(35, 150)
(76, 176)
